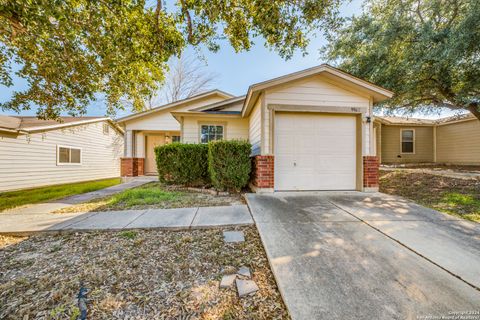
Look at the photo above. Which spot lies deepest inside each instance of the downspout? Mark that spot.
(435, 143)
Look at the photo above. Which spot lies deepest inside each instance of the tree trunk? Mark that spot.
(474, 108)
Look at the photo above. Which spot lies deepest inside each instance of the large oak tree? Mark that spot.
(71, 51)
(426, 51)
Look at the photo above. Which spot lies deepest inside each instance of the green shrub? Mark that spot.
(229, 164)
(184, 164)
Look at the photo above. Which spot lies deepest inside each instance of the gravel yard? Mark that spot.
(134, 275)
(155, 195)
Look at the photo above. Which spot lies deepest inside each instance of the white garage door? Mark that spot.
(315, 152)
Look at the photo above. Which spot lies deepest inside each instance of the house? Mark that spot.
(453, 140)
(36, 153)
(309, 130)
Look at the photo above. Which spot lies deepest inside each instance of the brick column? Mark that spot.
(262, 172)
(371, 166)
(132, 167)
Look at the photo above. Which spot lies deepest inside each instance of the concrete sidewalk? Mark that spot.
(181, 218)
(51, 206)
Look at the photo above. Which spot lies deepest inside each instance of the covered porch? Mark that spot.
(139, 155)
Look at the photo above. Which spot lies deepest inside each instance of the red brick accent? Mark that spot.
(262, 171)
(131, 167)
(370, 171)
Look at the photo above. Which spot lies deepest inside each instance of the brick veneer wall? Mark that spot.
(132, 167)
(371, 166)
(262, 171)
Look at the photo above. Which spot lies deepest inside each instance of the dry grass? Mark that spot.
(155, 195)
(6, 241)
(457, 197)
(135, 275)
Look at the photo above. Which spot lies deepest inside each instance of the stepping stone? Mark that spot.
(227, 280)
(246, 287)
(244, 272)
(233, 236)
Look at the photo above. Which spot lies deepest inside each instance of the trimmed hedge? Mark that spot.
(185, 164)
(229, 164)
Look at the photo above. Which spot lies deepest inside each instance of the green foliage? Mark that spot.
(128, 234)
(229, 164)
(181, 163)
(427, 52)
(14, 199)
(144, 195)
(72, 51)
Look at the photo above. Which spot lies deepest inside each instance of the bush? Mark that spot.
(229, 164)
(185, 164)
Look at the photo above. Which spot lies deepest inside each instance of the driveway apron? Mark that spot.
(341, 255)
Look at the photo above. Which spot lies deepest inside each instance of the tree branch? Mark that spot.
(474, 108)
(189, 21)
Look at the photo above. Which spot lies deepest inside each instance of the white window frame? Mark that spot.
(69, 163)
(216, 124)
(106, 129)
(413, 140)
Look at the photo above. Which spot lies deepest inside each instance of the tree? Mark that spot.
(186, 77)
(70, 51)
(426, 51)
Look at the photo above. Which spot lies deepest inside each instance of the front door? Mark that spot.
(152, 142)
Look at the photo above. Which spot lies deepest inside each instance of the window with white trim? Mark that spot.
(106, 129)
(408, 141)
(69, 155)
(210, 132)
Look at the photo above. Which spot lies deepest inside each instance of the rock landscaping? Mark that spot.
(242, 277)
(137, 275)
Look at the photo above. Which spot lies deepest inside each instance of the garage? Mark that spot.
(315, 151)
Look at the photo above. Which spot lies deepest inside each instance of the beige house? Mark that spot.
(35, 153)
(309, 130)
(453, 140)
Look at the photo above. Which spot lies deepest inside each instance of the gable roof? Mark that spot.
(26, 124)
(176, 103)
(419, 121)
(220, 105)
(378, 93)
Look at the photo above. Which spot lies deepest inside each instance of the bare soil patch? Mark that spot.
(457, 197)
(135, 275)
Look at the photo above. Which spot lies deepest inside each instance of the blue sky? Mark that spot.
(234, 71)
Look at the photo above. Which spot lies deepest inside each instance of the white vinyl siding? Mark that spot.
(28, 161)
(255, 133)
(316, 91)
(163, 119)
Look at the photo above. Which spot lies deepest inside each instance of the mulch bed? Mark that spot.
(135, 275)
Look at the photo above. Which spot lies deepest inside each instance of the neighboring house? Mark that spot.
(36, 153)
(309, 130)
(453, 140)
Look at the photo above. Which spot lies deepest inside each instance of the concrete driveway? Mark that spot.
(352, 255)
